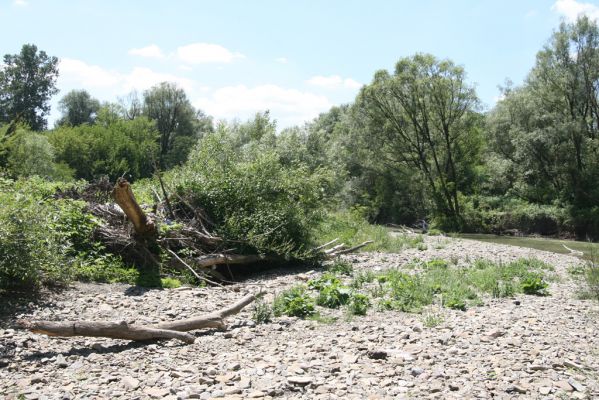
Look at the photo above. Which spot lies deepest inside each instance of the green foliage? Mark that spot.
(358, 304)
(31, 252)
(112, 149)
(262, 312)
(534, 284)
(362, 278)
(326, 279)
(105, 268)
(78, 107)
(333, 296)
(170, 283)
(352, 229)
(294, 302)
(27, 82)
(248, 194)
(341, 267)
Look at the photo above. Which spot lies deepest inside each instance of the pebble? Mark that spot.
(496, 350)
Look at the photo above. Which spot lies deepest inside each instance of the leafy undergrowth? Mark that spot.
(352, 229)
(414, 287)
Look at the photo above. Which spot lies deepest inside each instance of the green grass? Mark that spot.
(170, 283)
(350, 228)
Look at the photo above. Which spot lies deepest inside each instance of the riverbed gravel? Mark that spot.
(526, 347)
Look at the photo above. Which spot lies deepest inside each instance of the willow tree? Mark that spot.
(422, 118)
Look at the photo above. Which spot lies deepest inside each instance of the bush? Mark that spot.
(333, 296)
(341, 267)
(351, 228)
(262, 313)
(170, 283)
(294, 302)
(534, 284)
(250, 195)
(31, 252)
(358, 304)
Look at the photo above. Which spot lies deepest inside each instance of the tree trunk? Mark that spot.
(123, 195)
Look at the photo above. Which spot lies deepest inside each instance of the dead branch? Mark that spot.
(115, 330)
(123, 330)
(221, 259)
(351, 249)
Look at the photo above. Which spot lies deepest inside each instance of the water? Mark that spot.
(553, 245)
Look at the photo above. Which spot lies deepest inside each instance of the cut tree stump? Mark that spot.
(123, 330)
(123, 195)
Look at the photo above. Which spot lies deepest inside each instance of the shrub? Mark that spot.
(262, 313)
(534, 284)
(170, 283)
(294, 302)
(358, 304)
(341, 267)
(333, 296)
(250, 195)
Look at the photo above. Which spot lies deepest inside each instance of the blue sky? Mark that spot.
(296, 58)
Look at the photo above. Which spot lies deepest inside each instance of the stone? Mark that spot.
(576, 385)
(156, 392)
(300, 380)
(130, 383)
(61, 362)
(378, 354)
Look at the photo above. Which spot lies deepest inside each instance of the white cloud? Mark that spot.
(151, 51)
(144, 78)
(282, 60)
(288, 106)
(86, 75)
(572, 9)
(21, 3)
(201, 53)
(77, 73)
(334, 82)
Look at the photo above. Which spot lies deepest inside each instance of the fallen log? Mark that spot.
(114, 330)
(123, 330)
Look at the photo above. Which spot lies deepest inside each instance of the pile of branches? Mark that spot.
(132, 232)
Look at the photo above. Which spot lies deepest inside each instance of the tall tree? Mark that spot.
(423, 117)
(168, 106)
(27, 82)
(78, 107)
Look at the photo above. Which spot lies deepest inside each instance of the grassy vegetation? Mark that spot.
(416, 287)
(351, 228)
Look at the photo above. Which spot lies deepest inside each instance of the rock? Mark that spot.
(378, 354)
(255, 394)
(454, 387)
(61, 362)
(300, 380)
(572, 364)
(156, 392)
(516, 389)
(130, 383)
(563, 385)
(544, 390)
(415, 371)
(576, 385)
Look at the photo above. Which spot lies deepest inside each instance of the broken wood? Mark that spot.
(114, 330)
(123, 195)
(123, 330)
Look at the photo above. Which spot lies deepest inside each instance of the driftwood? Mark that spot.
(123, 330)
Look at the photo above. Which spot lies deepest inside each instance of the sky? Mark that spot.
(295, 58)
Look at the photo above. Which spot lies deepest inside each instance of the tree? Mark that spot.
(27, 82)
(78, 107)
(424, 117)
(168, 106)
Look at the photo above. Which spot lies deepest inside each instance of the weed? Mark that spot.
(534, 284)
(170, 283)
(262, 312)
(294, 302)
(432, 319)
(358, 304)
(341, 267)
(361, 278)
(333, 296)
(422, 247)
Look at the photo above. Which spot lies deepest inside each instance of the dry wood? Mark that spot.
(351, 249)
(115, 330)
(123, 195)
(123, 330)
(221, 259)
